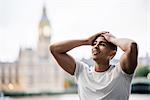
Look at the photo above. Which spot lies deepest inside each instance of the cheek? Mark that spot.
(105, 50)
(102, 48)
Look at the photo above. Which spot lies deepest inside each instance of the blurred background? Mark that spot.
(28, 71)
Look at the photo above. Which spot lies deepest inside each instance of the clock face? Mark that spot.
(46, 31)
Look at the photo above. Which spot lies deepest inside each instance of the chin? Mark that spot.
(95, 58)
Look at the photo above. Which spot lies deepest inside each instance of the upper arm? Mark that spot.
(65, 61)
(129, 59)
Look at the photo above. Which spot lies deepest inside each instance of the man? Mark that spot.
(103, 81)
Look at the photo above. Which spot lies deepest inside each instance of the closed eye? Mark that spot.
(103, 44)
(100, 43)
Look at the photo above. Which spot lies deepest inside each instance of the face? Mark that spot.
(100, 49)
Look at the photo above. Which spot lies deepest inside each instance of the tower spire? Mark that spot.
(44, 34)
(44, 25)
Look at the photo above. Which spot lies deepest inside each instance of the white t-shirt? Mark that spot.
(113, 84)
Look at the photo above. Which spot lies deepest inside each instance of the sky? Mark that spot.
(72, 19)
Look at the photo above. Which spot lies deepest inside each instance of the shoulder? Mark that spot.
(118, 70)
(80, 66)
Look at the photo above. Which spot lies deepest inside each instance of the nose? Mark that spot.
(96, 45)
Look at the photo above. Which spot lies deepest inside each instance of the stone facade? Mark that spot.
(34, 70)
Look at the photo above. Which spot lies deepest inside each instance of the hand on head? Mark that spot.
(108, 36)
(105, 34)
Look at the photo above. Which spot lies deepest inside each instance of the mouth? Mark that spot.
(95, 52)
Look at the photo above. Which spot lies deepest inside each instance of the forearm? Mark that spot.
(65, 46)
(124, 43)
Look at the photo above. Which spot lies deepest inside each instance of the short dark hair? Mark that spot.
(112, 46)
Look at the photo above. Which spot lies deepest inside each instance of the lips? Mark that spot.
(95, 52)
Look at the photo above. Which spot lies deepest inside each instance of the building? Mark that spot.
(34, 70)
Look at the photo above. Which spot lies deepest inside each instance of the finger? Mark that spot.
(104, 32)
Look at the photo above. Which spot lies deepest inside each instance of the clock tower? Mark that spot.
(44, 35)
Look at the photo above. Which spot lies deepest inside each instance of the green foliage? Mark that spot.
(142, 71)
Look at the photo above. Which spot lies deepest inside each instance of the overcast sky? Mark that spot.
(72, 19)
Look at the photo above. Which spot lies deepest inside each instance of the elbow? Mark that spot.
(133, 54)
(134, 49)
(52, 48)
(134, 46)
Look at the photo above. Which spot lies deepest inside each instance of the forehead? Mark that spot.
(100, 38)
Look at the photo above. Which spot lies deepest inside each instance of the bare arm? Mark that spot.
(59, 51)
(129, 59)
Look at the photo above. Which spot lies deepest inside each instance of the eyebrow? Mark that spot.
(101, 41)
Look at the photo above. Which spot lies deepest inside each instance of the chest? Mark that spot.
(105, 82)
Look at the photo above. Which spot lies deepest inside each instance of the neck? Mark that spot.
(102, 66)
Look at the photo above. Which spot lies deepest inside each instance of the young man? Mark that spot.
(103, 81)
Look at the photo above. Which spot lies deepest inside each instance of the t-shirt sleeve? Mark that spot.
(78, 69)
(119, 70)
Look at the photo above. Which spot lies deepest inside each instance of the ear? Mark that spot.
(112, 54)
